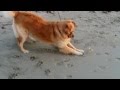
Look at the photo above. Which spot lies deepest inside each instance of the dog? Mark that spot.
(30, 25)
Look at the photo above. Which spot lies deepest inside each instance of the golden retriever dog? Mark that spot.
(57, 33)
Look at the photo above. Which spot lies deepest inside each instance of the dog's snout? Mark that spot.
(71, 35)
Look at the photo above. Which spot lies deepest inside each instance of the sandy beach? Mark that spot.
(98, 33)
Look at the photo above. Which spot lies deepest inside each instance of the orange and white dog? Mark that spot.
(58, 33)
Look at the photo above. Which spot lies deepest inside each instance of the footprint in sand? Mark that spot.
(32, 58)
(16, 56)
(47, 72)
(69, 77)
(39, 64)
(16, 72)
(118, 59)
(60, 63)
(13, 76)
(106, 53)
(102, 67)
(2, 27)
(70, 65)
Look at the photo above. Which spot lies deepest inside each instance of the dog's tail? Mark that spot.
(9, 14)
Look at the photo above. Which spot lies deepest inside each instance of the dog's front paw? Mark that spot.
(80, 50)
(79, 53)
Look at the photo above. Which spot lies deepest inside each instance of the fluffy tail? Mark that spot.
(9, 14)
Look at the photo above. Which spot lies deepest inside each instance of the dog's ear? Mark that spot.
(68, 30)
(68, 26)
(74, 23)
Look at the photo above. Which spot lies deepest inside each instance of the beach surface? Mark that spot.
(98, 33)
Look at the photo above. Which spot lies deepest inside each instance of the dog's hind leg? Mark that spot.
(21, 41)
(21, 35)
(15, 29)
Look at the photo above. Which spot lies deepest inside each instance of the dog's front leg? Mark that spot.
(68, 50)
(71, 46)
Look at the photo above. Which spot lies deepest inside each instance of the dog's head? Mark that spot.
(69, 28)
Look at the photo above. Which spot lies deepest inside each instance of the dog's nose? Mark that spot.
(72, 36)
